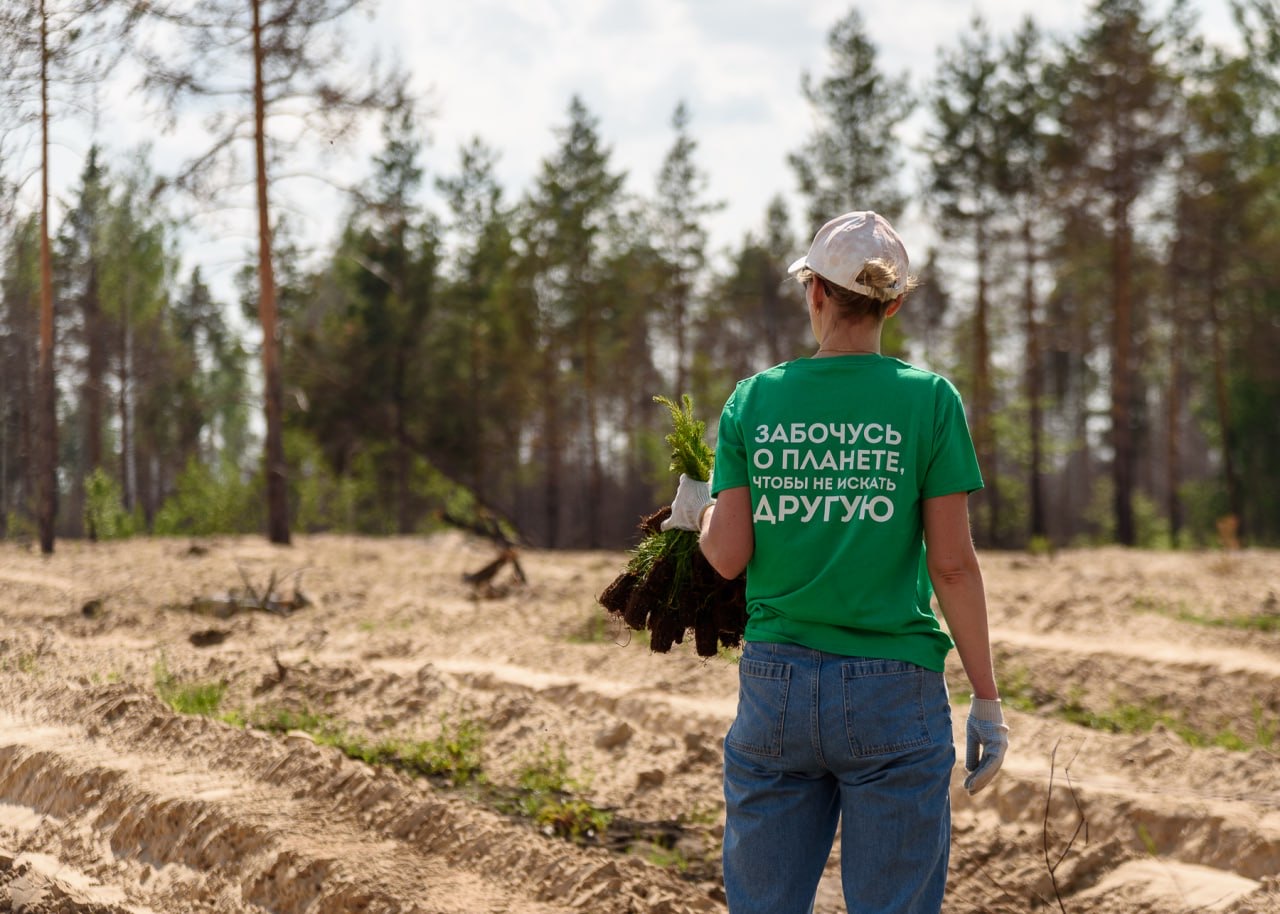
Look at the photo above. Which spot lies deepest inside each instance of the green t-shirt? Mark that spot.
(839, 454)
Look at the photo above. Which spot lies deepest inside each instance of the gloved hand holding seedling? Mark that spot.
(668, 587)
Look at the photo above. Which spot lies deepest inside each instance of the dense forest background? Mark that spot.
(1105, 290)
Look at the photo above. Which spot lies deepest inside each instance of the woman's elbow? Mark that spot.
(952, 567)
(729, 562)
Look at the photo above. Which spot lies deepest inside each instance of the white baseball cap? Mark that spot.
(843, 246)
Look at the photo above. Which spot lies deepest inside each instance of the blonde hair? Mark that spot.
(877, 274)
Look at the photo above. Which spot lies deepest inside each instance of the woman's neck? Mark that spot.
(858, 340)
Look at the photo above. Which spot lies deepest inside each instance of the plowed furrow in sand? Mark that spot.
(295, 827)
(1210, 696)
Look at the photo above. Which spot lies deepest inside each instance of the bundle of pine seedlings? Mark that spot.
(667, 586)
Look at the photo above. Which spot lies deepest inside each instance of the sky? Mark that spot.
(505, 71)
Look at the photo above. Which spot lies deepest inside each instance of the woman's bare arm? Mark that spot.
(726, 535)
(957, 580)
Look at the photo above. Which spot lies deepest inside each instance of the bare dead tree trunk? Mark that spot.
(277, 495)
(47, 421)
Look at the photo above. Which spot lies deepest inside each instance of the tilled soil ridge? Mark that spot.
(1126, 676)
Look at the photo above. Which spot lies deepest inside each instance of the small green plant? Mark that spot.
(690, 453)
(575, 819)
(457, 750)
(546, 795)
(1040, 545)
(1264, 731)
(546, 772)
(1148, 842)
(660, 855)
(196, 698)
(104, 515)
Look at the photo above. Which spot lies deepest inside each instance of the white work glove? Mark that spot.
(986, 739)
(692, 498)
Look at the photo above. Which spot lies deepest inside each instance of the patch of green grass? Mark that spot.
(1017, 692)
(455, 753)
(701, 815)
(201, 699)
(1135, 718)
(1260, 622)
(660, 855)
(595, 629)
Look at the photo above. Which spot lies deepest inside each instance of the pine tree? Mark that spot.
(852, 161)
(967, 171)
(289, 54)
(490, 377)
(49, 47)
(568, 213)
(81, 250)
(680, 234)
(1113, 135)
(1023, 106)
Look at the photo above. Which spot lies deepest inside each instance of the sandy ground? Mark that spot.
(112, 802)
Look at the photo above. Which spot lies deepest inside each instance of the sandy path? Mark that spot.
(112, 802)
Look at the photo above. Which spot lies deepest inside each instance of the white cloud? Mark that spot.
(505, 70)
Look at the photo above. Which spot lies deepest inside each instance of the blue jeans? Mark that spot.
(821, 738)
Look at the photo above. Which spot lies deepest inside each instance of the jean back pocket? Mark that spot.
(884, 706)
(762, 706)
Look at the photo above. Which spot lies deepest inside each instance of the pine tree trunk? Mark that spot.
(475, 447)
(95, 378)
(1226, 432)
(403, 457)
(47, 421)
(1035, 374)
(1173, 415)
(552, 446)
(595, 472)
(277, 494)
(982, 407)
(1121, 376)
(126, 423)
